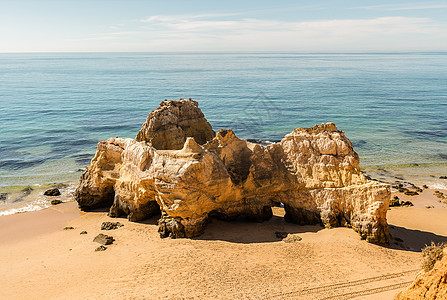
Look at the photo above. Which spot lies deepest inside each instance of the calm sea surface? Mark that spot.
(56, 107)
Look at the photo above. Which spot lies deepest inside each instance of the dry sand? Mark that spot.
(232, 260)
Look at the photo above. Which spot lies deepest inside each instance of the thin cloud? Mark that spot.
(391, 7)
(170, 18)
(206, 33)
(117, 33)
(385, 25)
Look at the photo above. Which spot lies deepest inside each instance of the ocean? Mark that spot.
(55, 107)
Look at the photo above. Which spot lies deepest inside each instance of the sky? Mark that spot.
(192, 26)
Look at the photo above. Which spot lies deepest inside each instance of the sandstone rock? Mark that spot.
(101, 248)
(168, 126)
(52, 192)
(428, 285)
(314, 172)
(111, 225)
(411, 193)
(104, 239)
(96, 188)
(394, 201)
(292, 238)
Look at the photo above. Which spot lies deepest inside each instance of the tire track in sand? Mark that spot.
(369, 291)
(348, 284)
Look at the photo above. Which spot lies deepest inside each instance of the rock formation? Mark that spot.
(428, 285)
(168, 126)
(178, 166)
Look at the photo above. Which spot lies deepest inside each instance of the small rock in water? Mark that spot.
(3, 196)
(104, 239)
(101, 248)
(83, 232)
(27, 190)
(443, 177)
(52, 192)
(407, 203)
(56, 202)
(291, 238)
(68, 228)
(425, 186)
(281, 234)
(111, 225)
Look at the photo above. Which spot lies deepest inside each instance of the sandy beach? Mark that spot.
(232, 260)
(223, 150)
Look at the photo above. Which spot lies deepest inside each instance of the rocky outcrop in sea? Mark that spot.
(178, 165)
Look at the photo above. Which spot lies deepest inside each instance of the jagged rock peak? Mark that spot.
(191, 146)
(167, 127)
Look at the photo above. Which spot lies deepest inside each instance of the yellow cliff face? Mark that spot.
(428, 285)
(323, 156)
(314, 172)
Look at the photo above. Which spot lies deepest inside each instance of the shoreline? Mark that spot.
(236, 259)
(30, 224)
(32, 198)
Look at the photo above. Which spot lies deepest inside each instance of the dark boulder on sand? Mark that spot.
(52, 192)
(394, 201)
(104, 239)
(111, 225)
(101, 248)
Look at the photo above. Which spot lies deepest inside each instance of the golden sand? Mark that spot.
(232, 260)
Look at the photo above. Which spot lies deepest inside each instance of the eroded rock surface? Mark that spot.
(428, 285)
(172, 122)
(104, 239)
(179, 166)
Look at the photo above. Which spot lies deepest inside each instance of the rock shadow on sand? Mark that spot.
(150, 221)
(412, 240)
(245, 231)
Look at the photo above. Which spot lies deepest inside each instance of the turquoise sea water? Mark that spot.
(56, 107)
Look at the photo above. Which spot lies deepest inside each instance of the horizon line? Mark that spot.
(236, 51)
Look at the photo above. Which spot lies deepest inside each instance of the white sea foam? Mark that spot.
(30, 207)
(36, 202)
(438, 186)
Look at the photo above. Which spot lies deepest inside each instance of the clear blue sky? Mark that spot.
(137, 25)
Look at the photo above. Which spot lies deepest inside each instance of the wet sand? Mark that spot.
(232, 260)
(28, 225)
